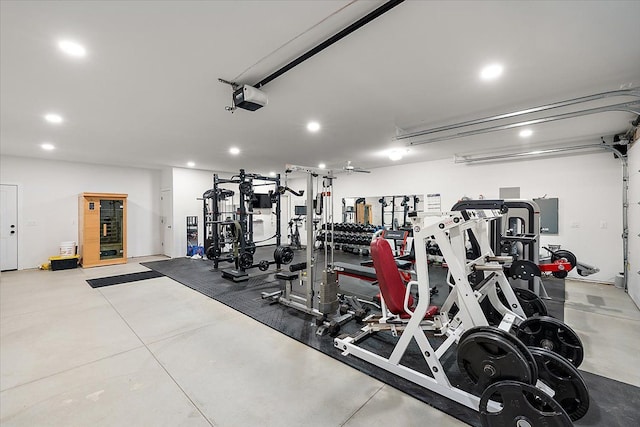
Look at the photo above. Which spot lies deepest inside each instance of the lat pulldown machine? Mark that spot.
(300, 290)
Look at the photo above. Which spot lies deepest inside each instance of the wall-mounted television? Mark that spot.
(261, 201)
(300, 210)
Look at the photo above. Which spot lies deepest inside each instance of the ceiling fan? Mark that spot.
(348, 167)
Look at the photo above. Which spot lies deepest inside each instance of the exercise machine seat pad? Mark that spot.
(390, 282)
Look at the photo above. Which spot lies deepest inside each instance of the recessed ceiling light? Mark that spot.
(313, 126)
(272, 173)
(53, 118)
(234, 150)
(395, 155)
(47, 146)
(322, 166)
(491, 72)
(191, 164)
(526, 133)
(72, 48)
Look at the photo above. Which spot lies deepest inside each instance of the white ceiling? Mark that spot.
(147, 93)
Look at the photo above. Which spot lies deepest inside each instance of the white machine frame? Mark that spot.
(448, 230)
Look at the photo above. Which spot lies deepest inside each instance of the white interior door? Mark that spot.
(9, 227)
(166, 220)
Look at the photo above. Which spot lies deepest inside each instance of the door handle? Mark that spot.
(12, 226)
(13, 232)
(104, 229)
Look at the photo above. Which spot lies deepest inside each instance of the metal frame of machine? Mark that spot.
(449, 232)
(322, 302)
(241, 222)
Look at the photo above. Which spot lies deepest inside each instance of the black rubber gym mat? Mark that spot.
(123, 278)
(612, 403)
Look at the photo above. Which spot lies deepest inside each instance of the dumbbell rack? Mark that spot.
(350, 237)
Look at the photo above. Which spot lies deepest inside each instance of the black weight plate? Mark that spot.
(263, 265)
(531, 304)
(245, 260)
(564, 379)
(569, 256)
(524, 405)
(487, 357)
(552, 334)
(492, 315)
(524, 270)
(560, 274)
(283, 255)
(513, 340)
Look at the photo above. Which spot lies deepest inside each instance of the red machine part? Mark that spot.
(558, 265)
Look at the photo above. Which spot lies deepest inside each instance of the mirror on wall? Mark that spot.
(392, 212)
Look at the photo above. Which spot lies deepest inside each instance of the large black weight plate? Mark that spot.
(552, 334)
(245, 260)
(563, 254)
(569, 256)
(487, 357)
(531, 304)
(513, 340)
(283, 255)
(524, 270)
(263, 265)
(524, 406)
(565, 380)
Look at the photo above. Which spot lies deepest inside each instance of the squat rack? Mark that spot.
(243, 220)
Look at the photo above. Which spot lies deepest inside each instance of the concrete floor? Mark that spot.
(156, 353)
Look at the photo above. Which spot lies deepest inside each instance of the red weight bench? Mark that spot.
(395, 294)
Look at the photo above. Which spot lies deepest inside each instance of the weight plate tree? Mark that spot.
(570, 389)
(524, 406)
(552, 334)
(487, 357)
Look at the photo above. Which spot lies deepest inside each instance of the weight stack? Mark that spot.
(328, 292)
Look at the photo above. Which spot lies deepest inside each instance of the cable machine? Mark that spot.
(320, 301)
(236, 228)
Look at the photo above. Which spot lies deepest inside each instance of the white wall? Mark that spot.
(48, 204)
(589, 188)
(188, 186)
(634, 223)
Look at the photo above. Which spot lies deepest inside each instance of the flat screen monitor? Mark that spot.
(300, 210)
(261, 201)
